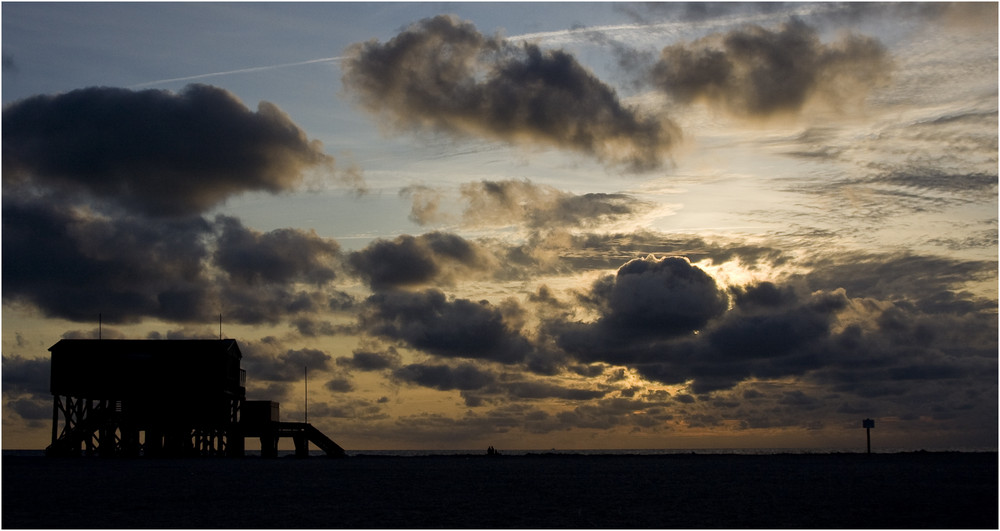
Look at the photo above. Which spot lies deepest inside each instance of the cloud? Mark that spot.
(522, 203)
(26, 389)
(266, 360)
(339, 385)
(442, 377)
(536, 390)
(368, 360)
(442, 74)
(919, 279)
(73, 264)
(436, 257)
(281, 256)
(671, 323)
(103, 195)
(757, 72)
(154, 152)
(313, 327)
(358, 409)
(26, 375)
(649, 299)
(560, 251)
(499, 203)
(426, 204)
(456, 328)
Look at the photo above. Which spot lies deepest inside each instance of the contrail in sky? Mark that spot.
(240, 71)
(527, 36)
(667, 27)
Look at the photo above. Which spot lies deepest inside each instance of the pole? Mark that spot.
(868, 432)
(305, 371)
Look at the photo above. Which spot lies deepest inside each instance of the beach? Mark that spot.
(904, 490)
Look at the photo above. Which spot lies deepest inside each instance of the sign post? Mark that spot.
(868, 424)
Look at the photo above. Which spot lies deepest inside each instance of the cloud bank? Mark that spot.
(104, 195)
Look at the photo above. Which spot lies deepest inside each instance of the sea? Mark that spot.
(699, 488)
(600, 452)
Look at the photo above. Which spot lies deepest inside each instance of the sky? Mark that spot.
(527, 226)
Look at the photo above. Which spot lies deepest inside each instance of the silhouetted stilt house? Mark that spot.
(162, 398)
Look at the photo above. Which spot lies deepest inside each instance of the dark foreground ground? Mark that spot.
(913, 490)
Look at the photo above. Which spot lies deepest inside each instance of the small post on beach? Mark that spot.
(868, 424)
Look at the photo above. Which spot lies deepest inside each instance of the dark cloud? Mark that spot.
(923, 178)
(278, 257)
(925, 280)
(35, 411)
(154, 152)
(271, 304)
(539, 390)
(356, 409)
(184, 333)
(368, 360)
(26, 375)
(906, 322)
(75, 265)
(442, 74)
(608, 413)
(310, 327)
(589, 371)
(762, 341)
(413, 261)
(664, 296)
(339, 385)
(103, 191)
(26, 389)
(266, 360)
(754, 71)
(456, 328)
(763, 295)
(463, 377)
(649, 299)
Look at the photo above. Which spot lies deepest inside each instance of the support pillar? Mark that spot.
(269, 444)
(55, 420)
(301, 445)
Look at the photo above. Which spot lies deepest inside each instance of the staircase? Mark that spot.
(69, 440)
(303, 433)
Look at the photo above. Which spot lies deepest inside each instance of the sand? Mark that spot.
(911, 490)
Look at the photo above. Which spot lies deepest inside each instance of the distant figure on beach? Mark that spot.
(491, 451)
